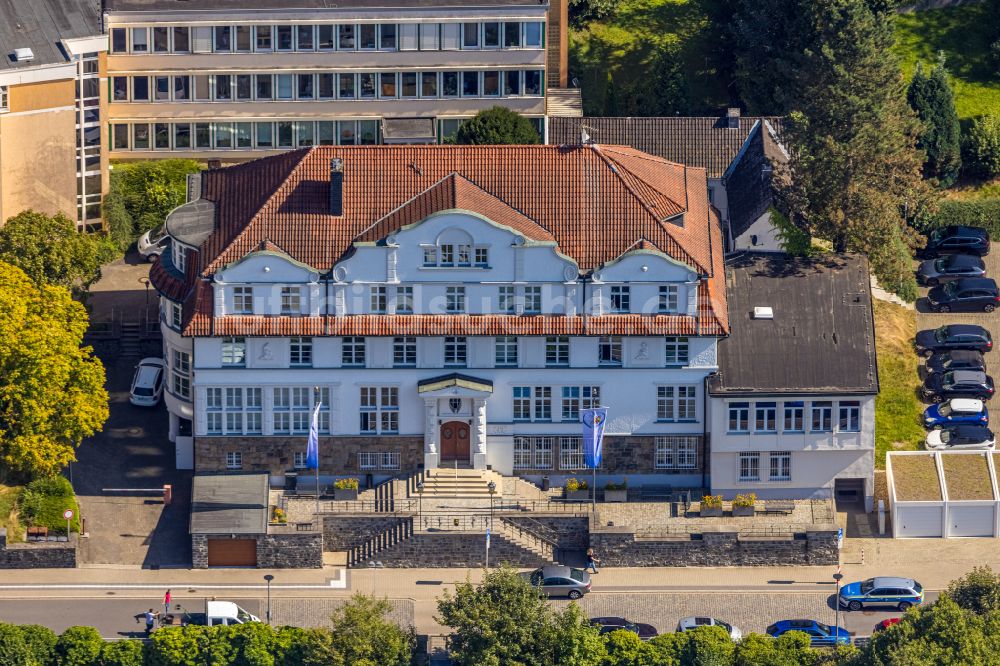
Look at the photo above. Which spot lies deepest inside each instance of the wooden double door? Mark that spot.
(454, 441)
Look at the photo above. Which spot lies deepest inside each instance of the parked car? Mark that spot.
(152, 243)
(819, 633)
(881, 591)
(965, 294)
(958, 384)
(954, 336)
(960, 437)
(951, 267)
(560, 581)
(958, 411)
(886, 623)
(957, 239)
(147, 384)
(958, 359)
(640, 629)
(689, 623)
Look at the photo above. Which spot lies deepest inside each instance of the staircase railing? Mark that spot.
(388, 537)
(545, 544)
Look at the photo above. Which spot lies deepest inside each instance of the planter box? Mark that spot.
(743, 511)
(708, 512)
(578, 495)
(345, 494)
(616, 495)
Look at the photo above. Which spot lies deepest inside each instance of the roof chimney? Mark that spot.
(336, 187)
(733, 117)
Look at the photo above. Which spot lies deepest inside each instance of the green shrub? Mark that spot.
(122, 653)
(983, 213)
(497, 126)
(41, 641)
(43, 501)
(610, 485)
(346, 484)
(79, 646)
(141, 194)
(982, 146)
(14, 651)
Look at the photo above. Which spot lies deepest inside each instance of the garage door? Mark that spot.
(918, 521)
(970, 521)
(232, 552)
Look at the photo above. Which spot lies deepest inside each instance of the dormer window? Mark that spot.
(179, 257)
(243, 300)
(454, 249)
(482, 257)
(291, 300)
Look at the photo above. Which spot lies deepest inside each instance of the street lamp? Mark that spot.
(268, 578)
(145, 281)
(492, 487)
(375, 564)
(836, 600)
(420, 501)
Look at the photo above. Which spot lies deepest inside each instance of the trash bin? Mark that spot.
(369, 481)
(545, 484)
(291, 480)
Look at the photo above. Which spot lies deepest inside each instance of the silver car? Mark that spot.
(152, 243)
(559, 581)
(689, 623)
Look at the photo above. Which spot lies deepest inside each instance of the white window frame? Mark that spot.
(557, 351)
(571, 455)
(532, 300)
(741, 410)
(505, 351)
(378, 299)
(763, 412)
(506, 299)
(299, 459)
(575, 399)
(243, 300)
(677, 402)
(533, 404)
(676, 452)
(291, 300)
(676, 350)
(404, 300)
(621, 299)
(234, 460)
(669, 299)
(234, 352)
(609, 350)
(794, 411)
(456, 351)
(353, 351)
(749, 466)
(404, 352)
(821, 411)
(849, 412)
(455, 300)
(780, 466)
(379, 410)
(300, 352)
(533, 452)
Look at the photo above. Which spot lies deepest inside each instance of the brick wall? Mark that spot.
(44, 555)
(274, 455)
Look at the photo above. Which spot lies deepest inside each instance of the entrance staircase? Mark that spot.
(130, 345)
(443, 483)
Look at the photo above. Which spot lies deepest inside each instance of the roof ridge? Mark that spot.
(406, 203)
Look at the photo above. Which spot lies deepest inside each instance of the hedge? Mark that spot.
(43, 502)
(983, 213)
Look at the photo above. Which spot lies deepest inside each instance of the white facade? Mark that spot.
(761, 236)
(791, 447)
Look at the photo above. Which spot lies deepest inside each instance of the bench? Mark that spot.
(786, 507)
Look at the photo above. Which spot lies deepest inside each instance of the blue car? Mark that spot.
(899, 593)
(957, 411)
(819, 634)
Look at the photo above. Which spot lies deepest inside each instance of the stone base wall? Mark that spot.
(343, 533)
(621, 455)
(293, 550)
(42, 555)
(721, 547)
(456, 550)
(571, 531)
(275, 455)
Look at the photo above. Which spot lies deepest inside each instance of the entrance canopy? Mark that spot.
(454, 384)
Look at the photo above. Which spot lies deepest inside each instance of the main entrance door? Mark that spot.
(455, 441)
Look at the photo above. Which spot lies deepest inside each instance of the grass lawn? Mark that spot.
(897, 409)
(916, 478)
(8, 514)
(989, 189)
(625, 47)
(967, 477)
(964, 33)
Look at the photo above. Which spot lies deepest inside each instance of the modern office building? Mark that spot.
(230, 80)
(53, 110)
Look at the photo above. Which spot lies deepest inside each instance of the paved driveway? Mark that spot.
(991, 321)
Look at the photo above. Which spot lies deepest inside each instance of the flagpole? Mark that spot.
(319, 403)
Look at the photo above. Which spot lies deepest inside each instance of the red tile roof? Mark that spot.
(595, 202)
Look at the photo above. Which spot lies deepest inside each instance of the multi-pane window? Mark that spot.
(668, 301)
(291, 300)
(404, 300)
(181, 373)
(378, 460)
(794, 416)
(532, 300)
(765, 417)
(455, 300)
(676, 403)
(234, 411)
(571, 453)
(404, 352)
(739, 417)
(533, 452)
(781, 466)
(577, 398)
(242, 300)
(822, 416)
(378, 300)
(532, 403)
(556, 350)
(609, 350)
(455, 350)
(850, 416)
(352, 351)
(176, 314)
(749, 466)
(676, 452)
(213, 411)
(482, 257)
(300, 351)
(506, 351)
(281, 410)
(4, 104)
(234, 460)
(379, 409)
(302, 407)
(621, 300)
(234, 351)
(676, 350)
(506, 300)
(299, 459)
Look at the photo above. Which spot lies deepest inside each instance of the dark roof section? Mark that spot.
(40, 24)
(258, 5)
(821, 340)
(229, 504)
(750, 177)
(698, 141)
(192, 223)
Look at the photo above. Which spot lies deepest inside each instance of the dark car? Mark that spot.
(954, 336)
(951, 267)
(819, 634)
(958, 240)
(965, 294)
(958, 359)
(958, 384)
(609, 624)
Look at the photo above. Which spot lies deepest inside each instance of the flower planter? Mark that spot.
(578, 495)
(615, 495)
(711, 512)
(345, 494)
(743, 511)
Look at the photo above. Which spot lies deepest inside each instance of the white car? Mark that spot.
(960, 437)
(147, 385)
(689, 623)
(152, 243)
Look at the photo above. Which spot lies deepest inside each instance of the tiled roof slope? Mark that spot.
(698, 141)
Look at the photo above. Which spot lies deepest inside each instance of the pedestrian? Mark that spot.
(166, 604)
(592, 561)
(151, 616)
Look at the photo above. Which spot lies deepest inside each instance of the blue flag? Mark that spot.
(312, 448)
(593, 434)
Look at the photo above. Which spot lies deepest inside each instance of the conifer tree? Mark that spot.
(932, 99)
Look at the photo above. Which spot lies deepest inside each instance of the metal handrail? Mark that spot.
(533, 536)
(534, 527)
(369, 506)
(782, 530)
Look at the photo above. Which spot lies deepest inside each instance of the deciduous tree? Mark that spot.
(497, 126)
(982, 146)
(941, 137)
(79, 646)
(362, 635)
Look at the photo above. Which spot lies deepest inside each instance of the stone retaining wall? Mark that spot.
(290, 550)
(571, 531)
(344, 532)
(456, 549)
(41, 555)
(716, 547)
(338, 455)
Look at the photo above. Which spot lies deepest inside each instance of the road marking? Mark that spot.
(338, 583)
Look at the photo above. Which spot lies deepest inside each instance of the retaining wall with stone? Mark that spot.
(290, 550)
(570, 531)
(40, 555)
(456, 550)
(715, 547)
(344, 532)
